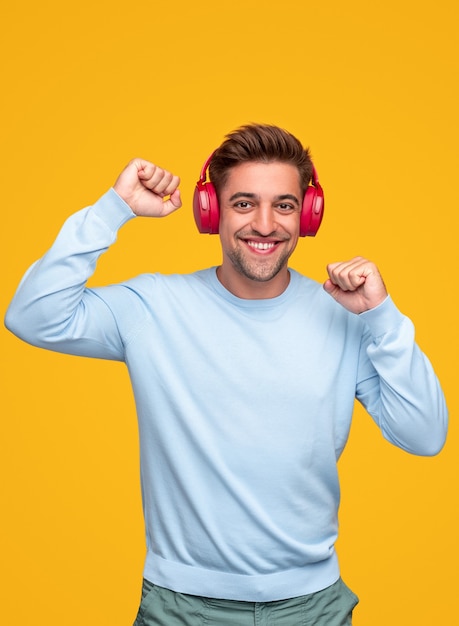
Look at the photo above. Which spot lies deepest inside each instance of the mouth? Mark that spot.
(261, 246)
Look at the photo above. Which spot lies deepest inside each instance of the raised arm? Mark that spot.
(52, 307)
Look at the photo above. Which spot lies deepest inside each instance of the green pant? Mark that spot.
(161, 607)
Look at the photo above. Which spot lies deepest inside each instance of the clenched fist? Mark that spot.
(149, 190)
(356, 284)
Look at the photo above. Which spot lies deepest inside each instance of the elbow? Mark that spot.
(436, 444)
(432, 441)
(428, 447)
(426, 436)
(13, 324)
(432, 448)
(436, 436)
(22, 325)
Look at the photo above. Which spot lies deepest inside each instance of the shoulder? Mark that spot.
(151, 285)
(310, 295)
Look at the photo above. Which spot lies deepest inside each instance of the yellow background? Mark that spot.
(372, 88)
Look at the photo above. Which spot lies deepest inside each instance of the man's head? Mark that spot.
(256, 201)
(259, 143)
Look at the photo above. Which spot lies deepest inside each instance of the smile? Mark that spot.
(258, 245)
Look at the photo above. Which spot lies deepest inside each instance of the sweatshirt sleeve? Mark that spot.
(397, 384)
(52, 307)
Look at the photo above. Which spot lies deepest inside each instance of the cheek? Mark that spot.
(292, 225)
(231, 224)
(226, 234)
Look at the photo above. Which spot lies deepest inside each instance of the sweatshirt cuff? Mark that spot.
(113, 210)
(383, 318)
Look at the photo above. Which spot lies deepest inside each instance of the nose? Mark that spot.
(264, 220)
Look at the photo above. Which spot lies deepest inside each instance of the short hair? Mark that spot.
(262, 143)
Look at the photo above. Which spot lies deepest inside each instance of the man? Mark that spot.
(244, 377)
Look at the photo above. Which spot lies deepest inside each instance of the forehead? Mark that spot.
(263, 178)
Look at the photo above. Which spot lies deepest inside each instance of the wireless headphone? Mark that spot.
(207, 212)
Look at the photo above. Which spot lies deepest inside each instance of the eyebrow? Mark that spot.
(254, 196)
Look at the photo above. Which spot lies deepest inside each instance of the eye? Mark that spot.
(285, 207)
(243, 205)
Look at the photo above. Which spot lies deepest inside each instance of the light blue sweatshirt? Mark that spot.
(244, 406)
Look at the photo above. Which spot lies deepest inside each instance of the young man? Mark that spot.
(244, 377)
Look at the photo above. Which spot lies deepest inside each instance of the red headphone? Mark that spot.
(207, 212)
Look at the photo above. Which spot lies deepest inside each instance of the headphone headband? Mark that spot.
(205, 167)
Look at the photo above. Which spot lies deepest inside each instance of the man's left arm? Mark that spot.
(397, 384)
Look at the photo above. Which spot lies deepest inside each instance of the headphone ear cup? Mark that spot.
(205, 208)
(312, 211)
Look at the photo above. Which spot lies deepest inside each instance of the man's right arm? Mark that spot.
(52, 307)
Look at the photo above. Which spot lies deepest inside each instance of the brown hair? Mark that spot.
(259, 142)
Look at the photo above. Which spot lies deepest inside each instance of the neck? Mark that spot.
(248, 289)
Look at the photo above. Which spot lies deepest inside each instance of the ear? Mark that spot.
(205, 203)
(312, 210)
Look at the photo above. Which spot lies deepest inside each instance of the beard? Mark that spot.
(262, 269)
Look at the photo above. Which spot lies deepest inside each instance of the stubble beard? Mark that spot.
(260, 270)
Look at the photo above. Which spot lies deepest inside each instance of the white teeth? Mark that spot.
(261, 246)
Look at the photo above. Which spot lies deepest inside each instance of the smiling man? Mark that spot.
(245, 377)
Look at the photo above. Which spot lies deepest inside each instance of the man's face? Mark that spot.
(260, 208)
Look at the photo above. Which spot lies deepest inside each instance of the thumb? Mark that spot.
(176, 198)
(173, 203)
(335, 292)
(329, 287)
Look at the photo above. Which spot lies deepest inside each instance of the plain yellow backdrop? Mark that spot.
(372, 88)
